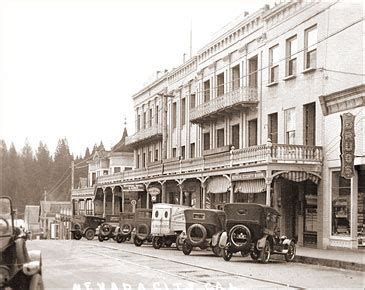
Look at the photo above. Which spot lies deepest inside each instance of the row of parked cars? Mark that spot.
(246, 228)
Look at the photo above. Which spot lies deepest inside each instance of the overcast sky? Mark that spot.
(68, 68)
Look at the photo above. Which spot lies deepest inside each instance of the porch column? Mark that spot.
(163, 191)
(268, 181)
(104, 202)
(147, 200)
(354, 209)
(123, 200)
(181, 194)
(231, 192)
(113, 202)
(204, 188)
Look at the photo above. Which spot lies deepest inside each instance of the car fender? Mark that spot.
(216, 238)
(287, 242)
(35, 255)
(223, 240)
(260, 244)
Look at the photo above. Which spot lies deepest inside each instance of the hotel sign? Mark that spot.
(133, 187)
(347, 146)
(248, 176)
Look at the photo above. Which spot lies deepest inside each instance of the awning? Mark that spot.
(299, 176)
(217, 184)
(250, 186)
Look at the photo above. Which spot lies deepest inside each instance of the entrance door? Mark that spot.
(252, 132)
(289, 204)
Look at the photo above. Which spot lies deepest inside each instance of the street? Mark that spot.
(71, 264)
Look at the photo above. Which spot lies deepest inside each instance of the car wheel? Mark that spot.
(120, 238)
(77, 235)
(157, 242)
(106, 229)
(100, 238)
(227, 254)
(142, 231)
(90, 234)
(290, 255)
(255, 255)
(179, 243)
(192, 234)
(217, 251)
(126, 228)
(138, 242)
(265, 253)
(245, 253)
(240, 236)
(36, 282)
(187, 248)
(168, 243)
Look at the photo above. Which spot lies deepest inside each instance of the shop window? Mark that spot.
(361, 209)
(235, 77)
(291, 56)
(341, 204)
(290, 126)
(310, 47)
(220, 138)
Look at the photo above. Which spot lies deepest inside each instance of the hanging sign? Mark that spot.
(347, 145)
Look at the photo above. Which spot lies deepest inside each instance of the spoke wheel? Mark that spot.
(290, 255)
(90, 234)
(157, 242)
(254, 255)
(77, 235)
(227, 254)
(265, 253)
(187, 248)
(138, 242)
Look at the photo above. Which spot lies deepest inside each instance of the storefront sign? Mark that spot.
(153, 191)
(347, 145)
(248, 176)
(133, 187)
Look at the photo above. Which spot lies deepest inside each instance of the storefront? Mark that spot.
(133, 196)
(218, 190)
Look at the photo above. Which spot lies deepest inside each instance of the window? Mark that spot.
(182, 111)
(235, 77)
(291, 56)
(236, 136)
(341, 204)
(105, 172)
(192, 150)
(220, 138)
(182, 152)
(144, 120)
(138, 122)
(220, 85)
(174, 115)
(290, 126)
(274, 64)
(116, 169)
(144, 160)
(156, 115)
(206, 138)
(252, 132)
(192, 101)
(137, 161)
(252, 72)
(156, 155)
(151, 117)
(310, 47)
(310, 124)
(173, 152)
(273, 127)
(206, 91)
(150, 156)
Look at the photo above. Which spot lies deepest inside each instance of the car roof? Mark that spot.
(246, 204)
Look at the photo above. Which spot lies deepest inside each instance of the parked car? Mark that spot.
(85, 226)
(253, 229)
(109, 229)
(19, 268)
(126, 224)
(142, 223)
(168, 222)
(203, 229)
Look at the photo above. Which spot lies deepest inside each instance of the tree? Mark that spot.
(42, 170)
(29, 184)
(3, 165)
(87, 153)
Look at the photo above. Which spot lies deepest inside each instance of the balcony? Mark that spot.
(145, 135)
(87, 192)
(255, 155)
(224, 104)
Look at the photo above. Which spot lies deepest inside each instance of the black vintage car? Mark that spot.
(126, 224)
(117, 227)
(142, 223)
(19, 268)
(85, 226)
(253, 229)
(203, 229)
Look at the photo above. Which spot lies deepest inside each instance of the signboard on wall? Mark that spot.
(133, 187)
(347, 145)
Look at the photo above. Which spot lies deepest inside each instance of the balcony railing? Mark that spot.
(145, 134)
(268, 153)
(236, 97)
(82, 192)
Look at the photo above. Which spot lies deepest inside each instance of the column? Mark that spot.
(147, 200)
(123, 198)
(181, 194)
(203, 185)
(163, 191)
(113, 202)
(231, 191)
(104, 202)
(268, 181)
(354, 209)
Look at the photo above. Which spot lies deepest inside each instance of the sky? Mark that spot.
(68, 68)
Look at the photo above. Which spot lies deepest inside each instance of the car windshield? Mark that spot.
(5, 217)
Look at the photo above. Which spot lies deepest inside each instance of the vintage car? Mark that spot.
(118, 227)
(19, 268)
(253, 229)
(126, 226)
(203, 229)
(85, 226)
(168, 222)
(142, 223)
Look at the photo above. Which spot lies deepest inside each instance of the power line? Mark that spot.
(63, 181)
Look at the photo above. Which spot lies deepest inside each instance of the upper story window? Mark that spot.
(220, 85)
(182, 111)
(156, 114)
(252, 72)
(236, 77)
(220, 138)
(116, 169)
(174, 115)
(290, 126)
(173, 152)
(138, 122)
(192, 101)
(274, 64)
(206, 144)
(310, 47)
(151, 117)
(192, 150)
(144, 123)
(291, 56)
(206, 89)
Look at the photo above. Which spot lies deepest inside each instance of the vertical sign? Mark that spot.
(347, 145)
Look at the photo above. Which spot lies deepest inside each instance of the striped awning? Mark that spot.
(299, 176)
(250, 186)
(217, 184)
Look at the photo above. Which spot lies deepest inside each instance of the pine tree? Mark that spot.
(42, 171)
(29, 174)
(3, 165)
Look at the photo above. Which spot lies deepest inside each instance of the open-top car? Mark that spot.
(203, 229)
(85, 226)
(253, 229)
(19, 268)
(142, 223)
(168, 222)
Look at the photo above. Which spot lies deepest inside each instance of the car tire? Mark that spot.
(125, 226)
(90, 234)
(201, 239)
(187, 248)
(157, 242)
(179, 243)
(245, 253)
(137, 242)
(142, 236)
(100, 238)
(169, 243)
(234, 231)
(36, 282)
(218, 252)
(254, 255)
(106, 229)
(77, 235)
(227, 254)
(120, 238)
(265, 253)
(289, 257)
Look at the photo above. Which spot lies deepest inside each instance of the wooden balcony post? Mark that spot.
(113, 201)
(104, 202)
(268, 181)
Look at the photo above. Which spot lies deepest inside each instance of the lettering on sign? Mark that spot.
(248, 176)
(133, 187)
(347, 145)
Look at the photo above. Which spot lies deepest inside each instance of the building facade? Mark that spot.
(255, 116)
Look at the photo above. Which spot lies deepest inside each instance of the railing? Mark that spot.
(229, 99)
(268, 153)
(143, 134)
(81, 192)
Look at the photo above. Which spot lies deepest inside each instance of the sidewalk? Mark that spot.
(344, 259)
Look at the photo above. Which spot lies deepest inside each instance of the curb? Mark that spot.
(331, 263)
